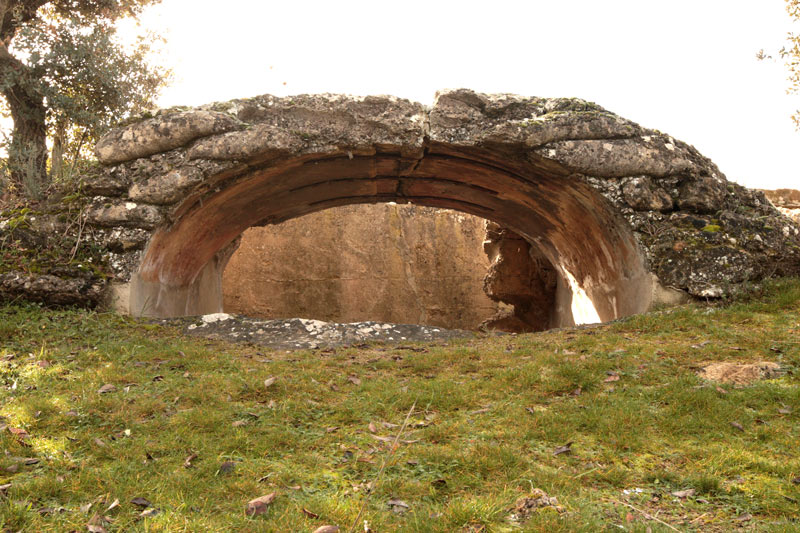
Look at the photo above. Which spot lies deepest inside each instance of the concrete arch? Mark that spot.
(571, 223)
(576, 181)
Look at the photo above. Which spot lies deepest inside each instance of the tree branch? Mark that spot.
(14, 13)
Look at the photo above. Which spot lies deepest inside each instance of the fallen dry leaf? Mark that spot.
(19, 433)
(567, 448)
(100, 442)
(140, 502)
(227, 467)
(187, 463)
(105, 389)
(784, 410)
(612, 376)
(309, 513)
(4, 489)
(354, 380)
(688, 493)
(372, 428)
(114, 504)
(737, 425)
(149, 512)
(239, 423)
(391, 439)
(45, 511)
(327, 529)
(269, 382)
(96, 524)
(259, 505)
(397, 506)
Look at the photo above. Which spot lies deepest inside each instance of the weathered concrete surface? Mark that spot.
(619, 211)
(521, 277)
(391, 263)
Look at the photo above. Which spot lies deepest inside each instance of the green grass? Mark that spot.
(487, 415)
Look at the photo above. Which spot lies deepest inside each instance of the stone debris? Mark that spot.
(305, 334)
(537, 499)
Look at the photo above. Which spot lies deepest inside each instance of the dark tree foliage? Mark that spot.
(64, 74)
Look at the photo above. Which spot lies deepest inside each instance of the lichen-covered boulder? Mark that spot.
(161, 134)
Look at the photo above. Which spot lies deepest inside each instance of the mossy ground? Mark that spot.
(487, 415)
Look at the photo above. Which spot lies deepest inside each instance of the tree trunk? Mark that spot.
(57, 153)
(27, 155)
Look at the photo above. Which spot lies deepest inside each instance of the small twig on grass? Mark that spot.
(383, 467)
(645, 514)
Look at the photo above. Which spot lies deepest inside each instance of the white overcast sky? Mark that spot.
(685, 67)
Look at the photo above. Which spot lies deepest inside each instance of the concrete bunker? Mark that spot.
(623, 215)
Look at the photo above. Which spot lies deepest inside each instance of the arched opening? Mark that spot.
(601, 270)
(386, 262)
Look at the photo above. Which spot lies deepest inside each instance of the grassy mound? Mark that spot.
(98, 408)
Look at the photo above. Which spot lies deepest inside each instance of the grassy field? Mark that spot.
(404, 438)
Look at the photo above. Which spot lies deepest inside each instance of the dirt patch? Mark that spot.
(740, 373)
